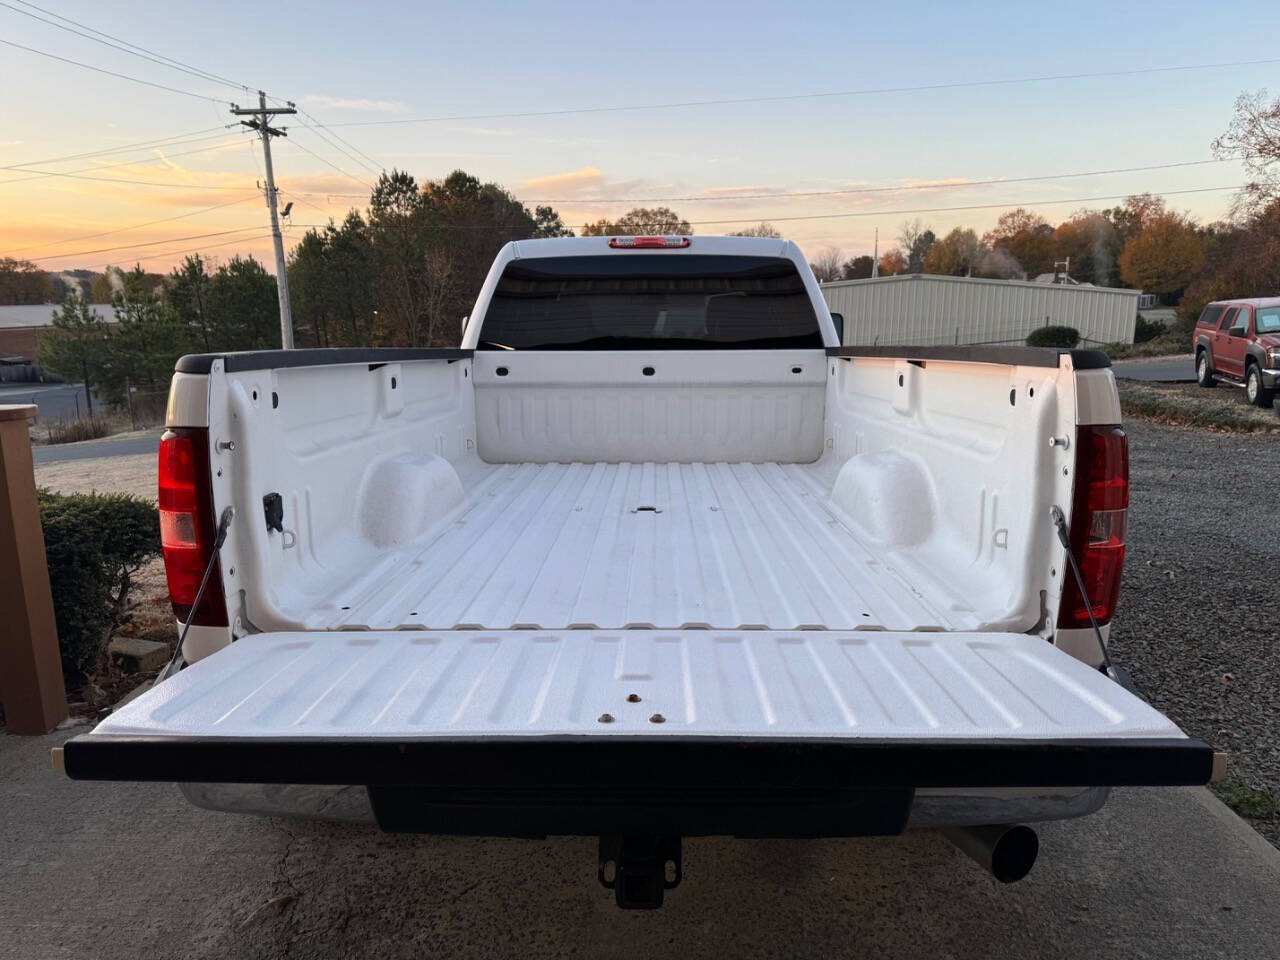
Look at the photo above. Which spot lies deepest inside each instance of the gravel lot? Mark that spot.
(1198, 622)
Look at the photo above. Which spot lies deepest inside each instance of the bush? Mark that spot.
(1144, 329)
(94, 544)
(1053, 337)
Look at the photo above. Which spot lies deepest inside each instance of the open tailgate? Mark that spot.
(534, 710)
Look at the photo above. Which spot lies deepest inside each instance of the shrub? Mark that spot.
(94, 544)
(1144, 329)
(1053, 337)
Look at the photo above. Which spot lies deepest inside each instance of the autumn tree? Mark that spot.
(652, 221)
(1092, 244)
(1164, 257)
(1026, 237)
(1253, 138)
(892, 263)
(957, 254)
(1242, 259)
(74, 347)
(826, 265)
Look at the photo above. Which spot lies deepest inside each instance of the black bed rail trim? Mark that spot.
(314, 357)
(516, 763)
(1014, 356)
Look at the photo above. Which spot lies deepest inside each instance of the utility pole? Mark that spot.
(259, 123)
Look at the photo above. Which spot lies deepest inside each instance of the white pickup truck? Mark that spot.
(651, 555)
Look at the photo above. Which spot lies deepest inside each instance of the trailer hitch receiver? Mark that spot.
(639, 867)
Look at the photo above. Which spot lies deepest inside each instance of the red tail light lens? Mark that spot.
(1098, 512)
(187, 526)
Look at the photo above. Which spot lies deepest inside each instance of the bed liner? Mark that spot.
(628, 545)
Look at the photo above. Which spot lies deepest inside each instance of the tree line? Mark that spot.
(405, 270)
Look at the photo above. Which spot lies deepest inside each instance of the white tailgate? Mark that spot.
(702, 683)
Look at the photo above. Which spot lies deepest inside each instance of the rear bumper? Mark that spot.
(534, 786)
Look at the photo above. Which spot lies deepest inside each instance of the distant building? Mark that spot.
(22, 326)
(922, 309)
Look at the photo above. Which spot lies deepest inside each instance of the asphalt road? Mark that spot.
(57, 401)
(1169, 369)
(130, 870)
(91, 449)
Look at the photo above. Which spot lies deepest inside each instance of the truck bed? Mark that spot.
(628, 545)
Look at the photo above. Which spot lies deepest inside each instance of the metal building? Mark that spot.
(921, 309)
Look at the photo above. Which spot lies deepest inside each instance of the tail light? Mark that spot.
(647, 242)
(1098, 511)
(187, 527)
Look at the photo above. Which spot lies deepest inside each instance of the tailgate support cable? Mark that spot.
(1060, 522)
(224, 524)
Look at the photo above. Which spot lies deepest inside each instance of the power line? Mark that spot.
(306, 149)
(110, 73)
(145, 54)
(975, 206)
(883, 213)
(174, 140)
(347, 153)
(177, 253)
(200, 74)
(141, 183)
(779, 98)
(373, 166)
(149, 243)
(136, 226)
(41, 174)
(889, 189)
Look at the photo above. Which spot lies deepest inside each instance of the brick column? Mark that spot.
(30, 666)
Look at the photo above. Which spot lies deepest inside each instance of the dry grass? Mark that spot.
(1189, 405)
(135, 475)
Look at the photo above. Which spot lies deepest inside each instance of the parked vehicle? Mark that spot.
(650, 556)
(1238, 342)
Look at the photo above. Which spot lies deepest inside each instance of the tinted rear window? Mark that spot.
(1210, 316)
(650, 301)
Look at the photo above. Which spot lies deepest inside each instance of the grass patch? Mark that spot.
(1244, 800)
(73, 431)
(1165, 345)
(1189, 405)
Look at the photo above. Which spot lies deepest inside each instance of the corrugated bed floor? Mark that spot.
(671, 546)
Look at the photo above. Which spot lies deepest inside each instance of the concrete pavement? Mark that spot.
(1168, 369)
(130, 870)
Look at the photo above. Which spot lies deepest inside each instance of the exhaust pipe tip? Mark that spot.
(1006, 851)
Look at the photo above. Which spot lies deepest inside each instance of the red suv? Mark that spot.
(1238, 342)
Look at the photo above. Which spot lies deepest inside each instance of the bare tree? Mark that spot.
(440, 287)
(1254, 138)
(762, 229)
(826, 265)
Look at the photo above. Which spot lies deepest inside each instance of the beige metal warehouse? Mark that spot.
(921, 309)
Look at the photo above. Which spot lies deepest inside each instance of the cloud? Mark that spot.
(569, 182)
(360, 104)
(12, 143)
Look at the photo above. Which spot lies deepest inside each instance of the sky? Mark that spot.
(419, 87)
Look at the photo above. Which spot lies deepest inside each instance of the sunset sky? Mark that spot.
(418, 89)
